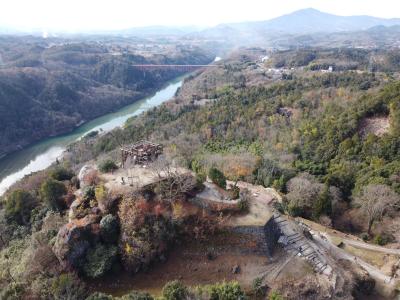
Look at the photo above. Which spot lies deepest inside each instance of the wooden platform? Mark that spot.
(141, 152)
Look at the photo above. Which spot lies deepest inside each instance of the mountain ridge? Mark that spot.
(307, 20)
(304, 21)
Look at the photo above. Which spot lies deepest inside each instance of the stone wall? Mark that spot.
(267, 235)
(216, 206)
(272, 234)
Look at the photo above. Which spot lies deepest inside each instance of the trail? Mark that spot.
(371, 247)
(337, 253)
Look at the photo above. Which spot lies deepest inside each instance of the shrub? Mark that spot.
(275, 296)
(52, 192)
(68, 286)
(243, 205)
(12, 291)
(279, 184)
(40, 286)
(89, 193)
(234, 192)
(257, 287)
(365, 237)
(61, 174)
(100, 192)
(99, 296)
(174, 290)
(280, 207)
(18, 207)
(137, 296)
(226, 291)
(294, 210)
(109, 228)
(99, 260)
(217, 177)
(382, 239)
(245, 198)
(107, 166)
(200, 178)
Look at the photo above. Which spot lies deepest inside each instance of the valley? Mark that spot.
(49, 87)
(41, 155)
(249, 160)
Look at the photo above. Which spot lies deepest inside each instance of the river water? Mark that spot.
(41, 155)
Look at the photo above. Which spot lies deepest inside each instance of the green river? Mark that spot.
(41, 155)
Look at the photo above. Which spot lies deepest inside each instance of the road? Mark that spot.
(366, 246)
(322, 240)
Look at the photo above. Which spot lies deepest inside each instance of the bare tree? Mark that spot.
(42, 261)
(172, 181)
(303, 190)
(375, 201)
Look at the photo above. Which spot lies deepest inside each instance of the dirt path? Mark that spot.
(366, 246)
(338, 253)
(348, 238)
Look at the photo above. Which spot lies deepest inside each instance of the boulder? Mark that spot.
(87, 176)
(74, 238)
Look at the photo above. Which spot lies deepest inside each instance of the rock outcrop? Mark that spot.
(87, 175)
(75, 238)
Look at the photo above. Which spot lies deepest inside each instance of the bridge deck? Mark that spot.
(167, 65)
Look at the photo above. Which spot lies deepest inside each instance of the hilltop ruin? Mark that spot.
(140, 152)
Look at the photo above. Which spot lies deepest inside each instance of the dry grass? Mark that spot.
(189, 263)
(381, 260)
(378, 125)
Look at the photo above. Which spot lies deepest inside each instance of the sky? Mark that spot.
(81, 15)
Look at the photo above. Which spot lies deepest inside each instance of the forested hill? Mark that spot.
(299, 131)
(47, 87)
(327, 140)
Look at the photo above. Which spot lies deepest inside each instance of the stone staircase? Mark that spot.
(297, 241)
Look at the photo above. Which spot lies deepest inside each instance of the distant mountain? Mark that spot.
(305, 21)
(385, 29)
(378, 37)
(158, 30)
(145, 31)
(311, 20)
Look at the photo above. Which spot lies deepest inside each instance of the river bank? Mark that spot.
(41, 155)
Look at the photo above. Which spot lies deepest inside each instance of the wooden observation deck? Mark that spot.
(141, 152)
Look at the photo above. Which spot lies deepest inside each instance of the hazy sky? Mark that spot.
(75, 15)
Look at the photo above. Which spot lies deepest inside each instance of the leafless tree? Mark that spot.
(172, 181)
(303, 190)
(186, 147)
(42, 261)
(375, 201)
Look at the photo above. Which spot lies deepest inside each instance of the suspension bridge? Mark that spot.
(173, 67)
